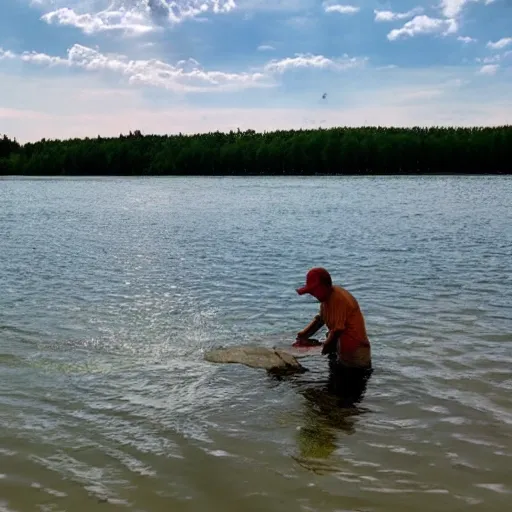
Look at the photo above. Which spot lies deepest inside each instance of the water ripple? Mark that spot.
(114, 288)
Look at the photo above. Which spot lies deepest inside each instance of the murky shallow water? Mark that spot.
(112, 289)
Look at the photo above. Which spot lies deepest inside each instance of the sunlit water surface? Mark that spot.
(112, 289)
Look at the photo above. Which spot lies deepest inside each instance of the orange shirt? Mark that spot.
(341, 311)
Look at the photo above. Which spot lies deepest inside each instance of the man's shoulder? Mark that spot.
(342, 294)
(337, 295)
(340, 291)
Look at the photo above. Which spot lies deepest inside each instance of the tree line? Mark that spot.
(365, 150)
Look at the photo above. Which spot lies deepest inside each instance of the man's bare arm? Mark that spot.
(310, 329)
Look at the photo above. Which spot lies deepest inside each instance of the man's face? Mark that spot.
(320, 292)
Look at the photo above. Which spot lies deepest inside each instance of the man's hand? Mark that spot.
(330, 343)
(310, 329)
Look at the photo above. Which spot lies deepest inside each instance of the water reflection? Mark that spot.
(331, 407)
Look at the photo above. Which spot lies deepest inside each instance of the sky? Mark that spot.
(83, 68)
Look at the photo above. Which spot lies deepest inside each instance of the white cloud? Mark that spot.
(466, 39)
(393, 16)
(178, 10)
(495, 58)
(489, 60)
(421, 25)
(265, 48)
(6, 54)
(184, 76)
(489, 69)
(307, 60)
(341, 9)
(501, 44)
(37, 58)
(127, 21)
(133, 17)
(452, 8)
(42, 58)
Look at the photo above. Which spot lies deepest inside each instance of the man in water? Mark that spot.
(347, 342)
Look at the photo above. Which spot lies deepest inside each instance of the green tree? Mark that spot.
(366, 150)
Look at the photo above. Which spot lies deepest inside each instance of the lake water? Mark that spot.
(112, 289)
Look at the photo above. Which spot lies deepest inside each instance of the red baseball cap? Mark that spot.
(316, 276)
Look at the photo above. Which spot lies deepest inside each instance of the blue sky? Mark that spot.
(75, 68)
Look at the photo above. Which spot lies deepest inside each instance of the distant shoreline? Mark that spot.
(365, 151)
(29, 177)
